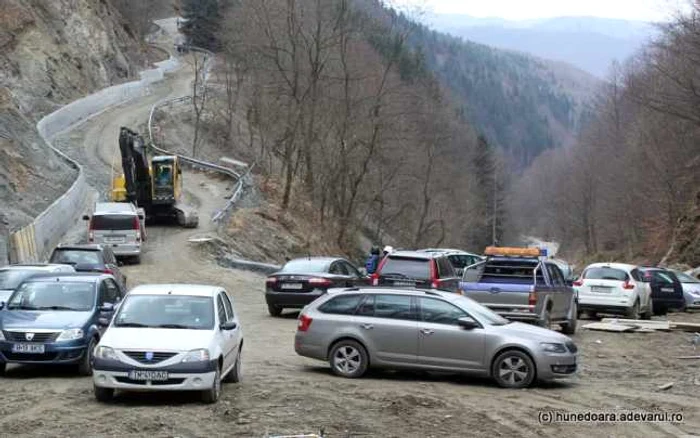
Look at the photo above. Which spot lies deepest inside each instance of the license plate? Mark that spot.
(28, 348)
(293, 286)
(668, 289)
(114, 239)
(600, 290)
(404, 283)
(148, 375)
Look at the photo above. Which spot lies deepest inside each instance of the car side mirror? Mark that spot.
(467, 323)
(103, 322)
(120, 263)
(107, 307)
(230, 325)
(141, 216)
(86, 217)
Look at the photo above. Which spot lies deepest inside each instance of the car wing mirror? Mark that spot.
(107, 307)
(230, 325)
(103, 322)
(467, 323)
(86, 217)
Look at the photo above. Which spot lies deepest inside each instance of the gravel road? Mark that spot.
(283, 393)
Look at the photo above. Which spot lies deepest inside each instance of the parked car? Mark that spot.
(54, 319)
(522, 285)
(89, 258)
(12, 276)
(666, 289)
(422, 270)
(301, 281)
(459, 259)
(170, 338)
(614, 288)
(691, 290)
(119, 226)
(354, 329)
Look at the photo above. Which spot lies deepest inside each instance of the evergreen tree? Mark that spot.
(202, 19)
(490, 187)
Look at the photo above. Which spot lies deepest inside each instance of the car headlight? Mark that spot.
(553, 348)
(70, 335)
(105, 353)
(201, 355)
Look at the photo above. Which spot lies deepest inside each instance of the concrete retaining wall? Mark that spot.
(34, 242)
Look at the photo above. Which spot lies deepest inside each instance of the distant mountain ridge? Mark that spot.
(590, 43)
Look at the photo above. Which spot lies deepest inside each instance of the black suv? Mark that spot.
(666, 289)
(423, 270)
(89, 258)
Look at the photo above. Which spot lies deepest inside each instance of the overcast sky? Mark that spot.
(647, 10)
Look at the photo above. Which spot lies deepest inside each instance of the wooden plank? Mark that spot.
(687, 357)
(685, 326)
(640, 323)
(607, 327)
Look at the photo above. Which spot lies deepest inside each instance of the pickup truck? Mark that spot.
(521, 285)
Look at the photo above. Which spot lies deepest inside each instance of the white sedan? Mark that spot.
(170, 338)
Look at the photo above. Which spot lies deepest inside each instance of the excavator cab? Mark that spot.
(167, 179)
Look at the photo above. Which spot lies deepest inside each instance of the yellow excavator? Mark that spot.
(151, 183)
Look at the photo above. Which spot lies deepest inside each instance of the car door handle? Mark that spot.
(367, 326)
(427, 332)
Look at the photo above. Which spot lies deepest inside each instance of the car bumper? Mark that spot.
(292, 299)
(605, 308)
(126, 250)
(559, 366)
(523, 316)
(610, 303)
(196, 376)
(668, 303)
(303, 348)
(54, 353)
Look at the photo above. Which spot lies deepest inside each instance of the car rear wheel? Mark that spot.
(650, 310)
(274, 310)
(660, 310)
(104, 395)
(546, 320)
(212, 394)
(569, 327)
(513, 369)
(348, 359)
(85, 365)
(3, 368)
(235, 375)
(633, 312)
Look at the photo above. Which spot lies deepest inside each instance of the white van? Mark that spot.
(120, 226)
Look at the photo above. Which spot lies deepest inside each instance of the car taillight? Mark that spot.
(108, 271)
(578, 283)
(271, 281)
(91, 233)
(435, 283)
(374, 279)
(304, 323)
(532, 298)
(627, 285)
(320, 282)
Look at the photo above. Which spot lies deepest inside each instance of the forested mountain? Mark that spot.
(521, 103)
(589, 43)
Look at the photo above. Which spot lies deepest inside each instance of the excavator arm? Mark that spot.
(136, 167)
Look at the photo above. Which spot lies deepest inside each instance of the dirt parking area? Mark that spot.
(284, 393)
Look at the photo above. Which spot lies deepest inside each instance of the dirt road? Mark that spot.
(283, 393)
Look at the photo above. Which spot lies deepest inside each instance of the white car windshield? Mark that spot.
(166, 311)
(685, 278)
(76, 296)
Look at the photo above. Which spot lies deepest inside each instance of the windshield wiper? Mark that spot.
(173, 326)
(22, 308)
(131, 324)
(55, 308)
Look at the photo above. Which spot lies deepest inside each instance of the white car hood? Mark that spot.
(152, 339)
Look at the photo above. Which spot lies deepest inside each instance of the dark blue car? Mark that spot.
(56, 319)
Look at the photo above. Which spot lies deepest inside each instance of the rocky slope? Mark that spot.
(51, 52)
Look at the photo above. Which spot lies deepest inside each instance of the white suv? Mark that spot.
(120, 226)
(614, 288)
(170, 338)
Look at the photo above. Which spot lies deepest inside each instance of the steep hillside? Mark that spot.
(51, 52)
(521, 103)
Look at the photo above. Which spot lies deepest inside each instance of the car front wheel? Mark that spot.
(274, 310)
(104, 395)
(348, 359)
(569, 327)
(212, 394)
(513, 369)
(85, 365)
